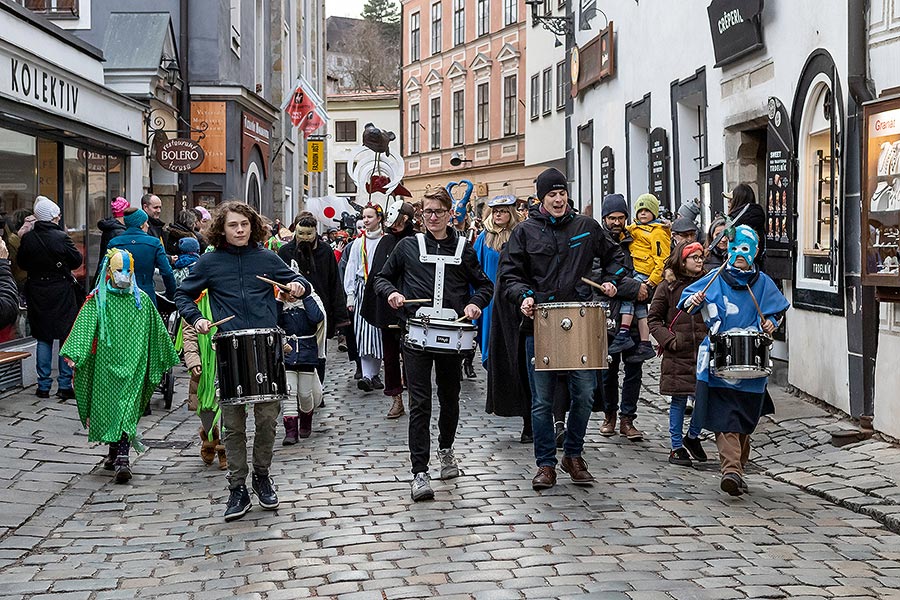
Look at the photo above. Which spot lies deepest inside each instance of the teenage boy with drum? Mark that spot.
(544, 261)
(411, 274)
(230, 275)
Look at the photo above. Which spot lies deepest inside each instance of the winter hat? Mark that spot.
(647, 202)
(550, 179)
(136, 219)
(689, 209)
(614, 203)
(45, 209)
(118, 206)
(204, 214)
(690, 249)
(683, 225)
(188, 245)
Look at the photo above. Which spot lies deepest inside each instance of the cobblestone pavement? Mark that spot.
(347, 529)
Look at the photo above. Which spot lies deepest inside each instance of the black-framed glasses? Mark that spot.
(436, 212)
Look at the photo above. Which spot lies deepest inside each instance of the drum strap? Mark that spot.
(439, 261)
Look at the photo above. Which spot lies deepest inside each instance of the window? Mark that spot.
(345, 131)
(235, 16)
(415, 31)
(548, 10)
(459, 122)
(435, 123)
(547, 97)
(483, 127)
(483, 17)
(343, 183)
(414, 125)
(435, 27)
(54, 8)
(259, 50)
(510, 12)
(510, 98)
(561, 87)
(535, 96)
(459, 22)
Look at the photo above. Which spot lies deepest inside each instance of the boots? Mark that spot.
(109, 463)
(290, 431)
(304, 424)
(627, 428)
(207, 448)
(122, 468)
(608, 427)
(396, 410)
(220, 449)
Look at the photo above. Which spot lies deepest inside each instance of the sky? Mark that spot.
(344, 8)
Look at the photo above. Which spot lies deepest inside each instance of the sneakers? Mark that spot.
(65, 394)
(627, 428)
(545, 478)
(680, 457)
(608, 427)
(449, 467)
(396, 411)
(377, 383)
(365, 384)
(621, 342)
(734, 484)
(238, 503)
(420, 489)
(695, 448)
(262, 487)
(577, 469)
(358, 374)
(559, 430)
(643, 352)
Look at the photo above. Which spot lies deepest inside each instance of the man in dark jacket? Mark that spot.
(48, 254)
(229, 274)
(544, 261)
(147, 251)
(614, 211)
(409, 274)
(152, 205)
(9, 292)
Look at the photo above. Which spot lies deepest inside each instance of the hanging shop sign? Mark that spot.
(779, 198)
(179, 155)
(213, 142)
(314, 151)
(607, 172)
(736, 28)
(881, 197)
(593, 62)
(254, 132)
(659, 165)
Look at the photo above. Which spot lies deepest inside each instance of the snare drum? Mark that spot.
(570, 336)
(740, 355)
(439, 335)
(250, 366)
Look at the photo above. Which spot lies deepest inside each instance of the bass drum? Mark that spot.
(570, 336)
(250, 366)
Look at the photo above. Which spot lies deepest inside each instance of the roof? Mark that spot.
(361, 96)
(124, 28)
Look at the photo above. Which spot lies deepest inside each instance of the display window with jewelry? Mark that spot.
(881, 193)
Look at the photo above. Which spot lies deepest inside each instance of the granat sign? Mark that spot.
(735, 27)
(179, 155)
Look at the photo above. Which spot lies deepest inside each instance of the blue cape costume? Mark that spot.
(490, 261)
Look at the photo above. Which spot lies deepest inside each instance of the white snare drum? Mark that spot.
(570, 336)
(439, 335)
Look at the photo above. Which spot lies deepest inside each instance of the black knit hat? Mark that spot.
(614, 203)
(551, 179)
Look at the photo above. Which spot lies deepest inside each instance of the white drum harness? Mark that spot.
(436, 310)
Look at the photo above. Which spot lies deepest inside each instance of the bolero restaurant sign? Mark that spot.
(179, 155)
(735, 27)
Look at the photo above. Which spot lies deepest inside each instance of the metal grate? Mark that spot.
(11, 375)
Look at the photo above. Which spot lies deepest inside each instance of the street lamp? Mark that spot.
(457, 159)
(555, 25)
(169, 65)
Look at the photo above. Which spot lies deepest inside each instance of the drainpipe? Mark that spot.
(184, 104)
(862, 308)
(569, 111)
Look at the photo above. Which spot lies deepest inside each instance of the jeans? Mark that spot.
(676, 422)
(543, 388)
(44, 362)
(446, 373)
(631, 387)
(234, 420)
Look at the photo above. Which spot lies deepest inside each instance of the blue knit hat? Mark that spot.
(188, 245)
(136, 219)
(612, 204)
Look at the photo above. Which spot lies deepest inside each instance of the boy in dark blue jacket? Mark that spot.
(303, 322)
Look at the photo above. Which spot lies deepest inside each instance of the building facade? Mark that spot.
(463, 89)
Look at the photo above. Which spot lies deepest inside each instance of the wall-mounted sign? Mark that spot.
(607, 172)
(314, 151)
(36, 85)
(779, 198)
(659, 165)
(179, 155)
(593, 62)
(213, 114)
(254, 132)
(735, 27)
(817, 267)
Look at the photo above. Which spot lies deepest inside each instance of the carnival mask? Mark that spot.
(120, 270)
(744, 244)
(305, 235)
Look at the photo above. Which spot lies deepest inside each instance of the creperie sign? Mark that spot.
(884, 123)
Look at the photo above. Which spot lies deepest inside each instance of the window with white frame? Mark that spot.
(510, 12)
(345, 131)
(343, 182)
(235, 18)
(562, 90)
(547, 91)
(459, 22)
(435, 123)
(510, 108)
(535, 96)
(459, 117)
(414, 125)
(435, 27)
(482, 17)
(415, 36)
(483, 128)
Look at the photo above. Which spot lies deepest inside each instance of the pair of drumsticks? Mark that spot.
(280, 286)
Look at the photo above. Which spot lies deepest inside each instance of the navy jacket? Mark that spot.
(149, 254)
(301, 322)
(229, 274)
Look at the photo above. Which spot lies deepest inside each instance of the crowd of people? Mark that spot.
(412, 266)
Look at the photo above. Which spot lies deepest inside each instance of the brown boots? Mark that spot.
(627, 428)
(396, 410)
(207, 447)
(608, 427)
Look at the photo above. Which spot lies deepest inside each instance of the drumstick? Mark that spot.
(461, 319)
(219, 322)
(592, 283)
(691, 308)
(756, 304)
(280, 286)
(417, 301)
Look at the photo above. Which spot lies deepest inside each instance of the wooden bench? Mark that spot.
(10, 357)
(11, 369)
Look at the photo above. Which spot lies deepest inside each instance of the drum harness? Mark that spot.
(439, 261)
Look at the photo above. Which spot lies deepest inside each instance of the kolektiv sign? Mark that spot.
(179, 155)
(32, 83)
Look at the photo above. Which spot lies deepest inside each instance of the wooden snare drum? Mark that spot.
(570, 336)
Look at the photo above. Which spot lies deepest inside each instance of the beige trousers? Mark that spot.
(734, 451)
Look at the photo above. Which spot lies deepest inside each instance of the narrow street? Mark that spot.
(347, 528)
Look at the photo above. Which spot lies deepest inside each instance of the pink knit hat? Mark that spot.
(118, 206)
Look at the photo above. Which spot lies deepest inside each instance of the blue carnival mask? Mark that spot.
(744, 244)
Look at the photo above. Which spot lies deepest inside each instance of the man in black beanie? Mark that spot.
(544, 261)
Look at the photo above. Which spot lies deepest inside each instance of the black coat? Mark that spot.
(158, 229)
(109, 228)
(323, 275)
(176, 232)
(404, 273)
(375, 308)
(9, 295)
(48, 254)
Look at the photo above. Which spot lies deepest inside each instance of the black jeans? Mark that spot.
(418, 365)
(631, 387)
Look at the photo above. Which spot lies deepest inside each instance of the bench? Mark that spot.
(11, 369)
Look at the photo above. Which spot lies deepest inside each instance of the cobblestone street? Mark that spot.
(347, 528)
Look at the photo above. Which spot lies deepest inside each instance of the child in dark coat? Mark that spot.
(303, 322)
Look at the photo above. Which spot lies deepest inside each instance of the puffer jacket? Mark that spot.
(650, 249)
(299, 324)
(680, 343)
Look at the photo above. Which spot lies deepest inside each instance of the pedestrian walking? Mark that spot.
(9, 293)
(49, 255)
(303, 322)
(147, 251)
(110, 227)
(744, 210)
(152, 205)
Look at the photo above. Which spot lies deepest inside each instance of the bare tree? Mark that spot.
(374, 58)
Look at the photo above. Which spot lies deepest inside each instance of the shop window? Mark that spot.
(74, 204)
